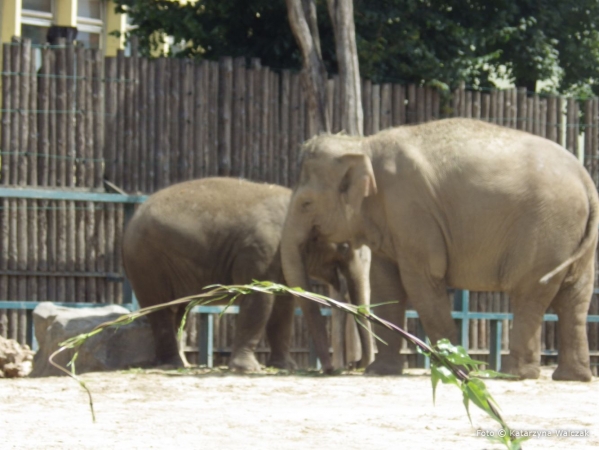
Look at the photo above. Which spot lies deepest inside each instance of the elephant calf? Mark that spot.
(228, 231)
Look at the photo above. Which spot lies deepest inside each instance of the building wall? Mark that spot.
(94, 20)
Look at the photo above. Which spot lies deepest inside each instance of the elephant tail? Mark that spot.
(588, 240)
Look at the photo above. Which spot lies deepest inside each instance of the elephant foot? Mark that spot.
(244, 362)
(171, 362)
(524, 371)
(282, 363)
(364, 363)
(572, 374)
(385, 367)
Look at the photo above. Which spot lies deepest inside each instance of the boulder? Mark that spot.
(124, 347)
(15, 359)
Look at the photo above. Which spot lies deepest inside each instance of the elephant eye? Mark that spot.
(306, 204)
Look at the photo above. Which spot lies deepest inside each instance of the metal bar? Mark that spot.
(29, 338)
(117, 277)
(234, 309)
(129, 210)
(422, 360)
(495, 345)
(17, 304)
(48, 194)
(487, 315)
(461, 303)
(205, 340)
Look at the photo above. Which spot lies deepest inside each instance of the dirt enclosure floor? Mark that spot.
(221, 410)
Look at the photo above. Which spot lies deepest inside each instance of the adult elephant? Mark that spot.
(458, 203)
(225, 230)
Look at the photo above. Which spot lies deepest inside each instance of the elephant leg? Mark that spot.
(365, 333)
(386, 286)
(528, 308)
(429, 299)
(152, 286)
(572, 305)
(164, 328)
(358, 285)
(254, 311)
(278, 333)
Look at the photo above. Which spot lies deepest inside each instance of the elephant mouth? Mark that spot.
(323, 235)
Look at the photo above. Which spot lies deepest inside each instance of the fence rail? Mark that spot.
(73, 120)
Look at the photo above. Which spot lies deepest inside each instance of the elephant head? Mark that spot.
(325, 209)
(326, 261)
(336, 176)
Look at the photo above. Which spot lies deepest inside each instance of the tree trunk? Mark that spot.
(352, 114)
(302, 18)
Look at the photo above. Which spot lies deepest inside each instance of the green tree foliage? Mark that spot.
(423, 41)
(214, 28)
(546, 39)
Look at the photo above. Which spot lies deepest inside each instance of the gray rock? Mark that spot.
(15, 359)
(113, 349)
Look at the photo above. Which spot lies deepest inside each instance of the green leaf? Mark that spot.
(375, 305)
(478, 394)
(435, 377)
(445, 357)
(363, 310)
(457, 354)
(443, 374)
(515, 443)
(490, 374)
(297, 289)
(466, 401)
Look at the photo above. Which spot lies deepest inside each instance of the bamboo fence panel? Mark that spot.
(284, 140)
(399, 105)
(294, 132)
(263, 121)
(367, 106)
(332, 106)
(173, 107)
(239, 118)
(145, 124)
(375, 105)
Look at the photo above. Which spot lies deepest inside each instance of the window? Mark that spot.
(37, 34)
(91, 9)
(90, 15)
(36, 19)
(38, 5)
(89, 40)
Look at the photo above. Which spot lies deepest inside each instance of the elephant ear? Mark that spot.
(358, 181)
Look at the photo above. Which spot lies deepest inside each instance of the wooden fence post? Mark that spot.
(225, 98)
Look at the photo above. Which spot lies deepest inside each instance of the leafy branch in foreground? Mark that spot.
(449, 364)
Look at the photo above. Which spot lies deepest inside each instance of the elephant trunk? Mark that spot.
(356, 273)
(296, 275)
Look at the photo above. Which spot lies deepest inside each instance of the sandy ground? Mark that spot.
(220, 410)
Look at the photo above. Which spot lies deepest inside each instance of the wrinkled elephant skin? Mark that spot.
(464, 204)
(225, 230)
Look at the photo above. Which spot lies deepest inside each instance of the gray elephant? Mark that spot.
(225, 230)
(458, 203)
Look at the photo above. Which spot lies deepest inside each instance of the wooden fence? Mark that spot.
(72, 119)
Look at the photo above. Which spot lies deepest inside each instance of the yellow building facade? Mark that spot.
(93, 19)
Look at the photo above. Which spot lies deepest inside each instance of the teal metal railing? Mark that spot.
(461, 310)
